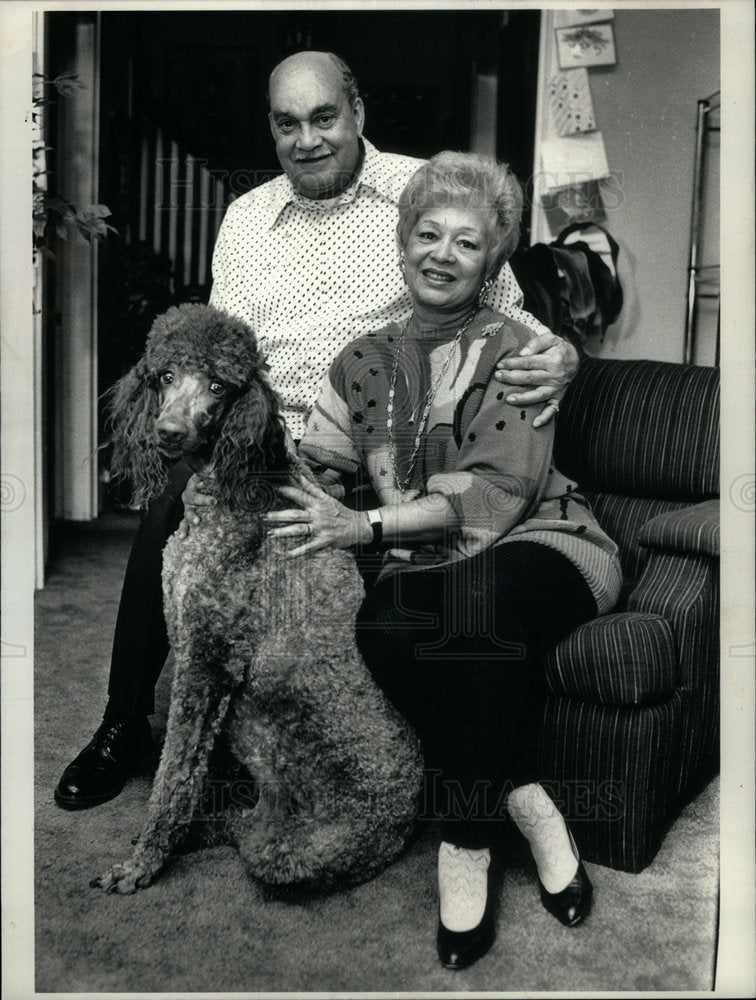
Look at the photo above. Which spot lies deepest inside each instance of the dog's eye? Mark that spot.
(166, 378)
(217, 388)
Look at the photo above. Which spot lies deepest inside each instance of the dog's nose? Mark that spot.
(171, 434)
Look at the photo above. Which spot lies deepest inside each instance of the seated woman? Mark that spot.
(491, 555)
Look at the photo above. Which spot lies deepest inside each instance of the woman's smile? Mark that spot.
(437, 276)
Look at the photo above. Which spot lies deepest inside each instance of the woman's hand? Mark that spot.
(547, 362)
(319, 518)
(193, 499)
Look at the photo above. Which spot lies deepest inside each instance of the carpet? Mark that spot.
(205, 927)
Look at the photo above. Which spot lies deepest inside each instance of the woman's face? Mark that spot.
(446, 256)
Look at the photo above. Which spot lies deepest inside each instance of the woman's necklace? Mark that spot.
(426, 403)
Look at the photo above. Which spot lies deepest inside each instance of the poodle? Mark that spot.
(264, 645)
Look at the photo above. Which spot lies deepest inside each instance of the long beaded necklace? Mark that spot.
(426, 403)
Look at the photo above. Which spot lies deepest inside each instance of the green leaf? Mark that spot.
(66, 84)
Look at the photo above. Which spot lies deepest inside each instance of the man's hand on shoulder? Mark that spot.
(548, 364)
(194, 498)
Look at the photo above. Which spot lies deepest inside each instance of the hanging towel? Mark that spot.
(573, 159)
(570, 103)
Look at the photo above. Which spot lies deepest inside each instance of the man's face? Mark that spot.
(315, 130)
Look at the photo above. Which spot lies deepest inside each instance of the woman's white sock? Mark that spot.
(462, 885)
(543, 826)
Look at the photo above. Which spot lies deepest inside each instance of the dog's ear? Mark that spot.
(133, 408)
(250, 457)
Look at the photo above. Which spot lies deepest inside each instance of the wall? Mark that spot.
(75, 334)
(645, 107)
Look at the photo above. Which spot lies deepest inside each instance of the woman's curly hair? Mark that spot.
(467, 180)
(249, 457)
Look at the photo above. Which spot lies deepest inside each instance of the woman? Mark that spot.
(490, 555)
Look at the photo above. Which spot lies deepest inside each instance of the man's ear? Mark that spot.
(358, 108)
(272, 124)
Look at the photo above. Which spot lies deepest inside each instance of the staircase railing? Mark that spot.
(177, 206)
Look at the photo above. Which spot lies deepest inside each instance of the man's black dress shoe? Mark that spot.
(572, 904)
(459, 949)
(100, 771)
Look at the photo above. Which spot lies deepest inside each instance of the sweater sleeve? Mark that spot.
(327, 441)
(500, 470)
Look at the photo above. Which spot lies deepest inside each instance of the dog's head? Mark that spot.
(200, 389)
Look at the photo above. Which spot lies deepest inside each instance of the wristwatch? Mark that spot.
(376, 523)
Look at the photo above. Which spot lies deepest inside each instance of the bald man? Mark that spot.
(310, 261)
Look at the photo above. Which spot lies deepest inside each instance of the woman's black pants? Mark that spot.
(458, 650)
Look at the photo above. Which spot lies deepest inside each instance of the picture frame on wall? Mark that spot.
(570, 16)
(585, 45)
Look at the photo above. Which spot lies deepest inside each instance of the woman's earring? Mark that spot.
(402, 262)
(485, 288)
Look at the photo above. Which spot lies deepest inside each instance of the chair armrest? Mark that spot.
(693, 530)
(684, 589)
(620, 659)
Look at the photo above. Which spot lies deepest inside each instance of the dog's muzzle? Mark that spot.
(173, 440)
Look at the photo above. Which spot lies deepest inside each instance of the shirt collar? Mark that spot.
(371, 175)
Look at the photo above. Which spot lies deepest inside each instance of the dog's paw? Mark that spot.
(124, 879)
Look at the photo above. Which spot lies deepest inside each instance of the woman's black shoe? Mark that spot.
(459, 949)
(572, 904)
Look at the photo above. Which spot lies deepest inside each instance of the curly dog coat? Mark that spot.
(264, 646)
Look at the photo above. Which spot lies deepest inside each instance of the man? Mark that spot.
(309, 261)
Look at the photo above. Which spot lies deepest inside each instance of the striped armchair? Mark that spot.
(632, 715)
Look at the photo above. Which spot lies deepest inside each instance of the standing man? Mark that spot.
(309, 260)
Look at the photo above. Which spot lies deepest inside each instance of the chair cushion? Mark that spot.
(641, 428)
(694, 530)
(621, 659)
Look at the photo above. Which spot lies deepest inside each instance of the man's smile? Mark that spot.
(314, 159)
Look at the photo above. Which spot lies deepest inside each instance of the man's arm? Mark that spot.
(545, 366)
(219, 270)
(548, 363)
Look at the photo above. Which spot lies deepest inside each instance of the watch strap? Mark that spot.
(376, 524)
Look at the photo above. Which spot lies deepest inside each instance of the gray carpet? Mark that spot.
(204, 927)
